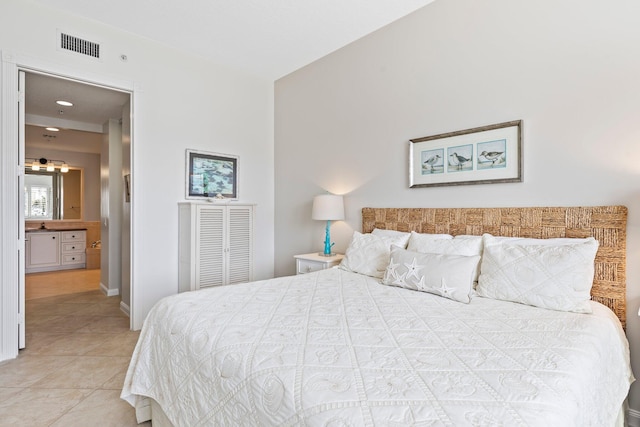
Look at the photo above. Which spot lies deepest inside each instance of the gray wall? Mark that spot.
(568, 69)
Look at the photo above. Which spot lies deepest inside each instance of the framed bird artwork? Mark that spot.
(482, 155)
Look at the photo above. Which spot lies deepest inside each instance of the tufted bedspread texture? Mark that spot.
(336, 348)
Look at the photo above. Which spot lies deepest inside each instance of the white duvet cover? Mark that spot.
(335, 348)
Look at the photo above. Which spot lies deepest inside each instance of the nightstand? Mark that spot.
(308, 263)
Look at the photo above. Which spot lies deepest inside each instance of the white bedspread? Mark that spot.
(335, 348)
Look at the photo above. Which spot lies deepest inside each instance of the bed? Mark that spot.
(342, 348)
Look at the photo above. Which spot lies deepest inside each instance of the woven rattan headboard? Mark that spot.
(608, 224)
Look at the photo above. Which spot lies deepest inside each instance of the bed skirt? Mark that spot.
(149, 409)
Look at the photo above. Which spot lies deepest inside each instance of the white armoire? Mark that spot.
(216, 244)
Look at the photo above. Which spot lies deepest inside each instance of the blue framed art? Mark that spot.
(211, 176)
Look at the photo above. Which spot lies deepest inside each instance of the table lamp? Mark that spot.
(328, 207)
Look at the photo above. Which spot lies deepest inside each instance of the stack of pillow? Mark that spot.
(555, 274)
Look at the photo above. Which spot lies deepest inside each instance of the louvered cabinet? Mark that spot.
(216, 245)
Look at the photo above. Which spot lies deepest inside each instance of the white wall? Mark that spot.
(111, 208)
(180, 101)
(568, 69)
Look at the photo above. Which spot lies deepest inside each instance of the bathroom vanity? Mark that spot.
(49, 249)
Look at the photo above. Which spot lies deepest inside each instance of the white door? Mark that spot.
(21, 248)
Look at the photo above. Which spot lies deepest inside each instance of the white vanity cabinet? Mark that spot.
(215, 245)
(42, 251)
(55, 250)
(73, 244)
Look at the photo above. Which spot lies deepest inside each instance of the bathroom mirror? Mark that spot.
(53, 195)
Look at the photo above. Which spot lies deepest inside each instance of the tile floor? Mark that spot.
(78, 349)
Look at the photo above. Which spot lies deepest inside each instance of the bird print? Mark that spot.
(428, 164)
(460, 160)
(492, 156)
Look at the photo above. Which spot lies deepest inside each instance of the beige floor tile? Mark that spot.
(38, 407)
(106, 324)
(115, 382)
(103, 405)
(55, 309)
(116, 345)
(78, 351)
(8, 393)
(36, 341)
(71, 344)
(29, 369)
(62, 324)
(100, 309)
(42, 285)
(85, 372)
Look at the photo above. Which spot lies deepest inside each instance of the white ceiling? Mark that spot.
(80, 125)
(268, 38)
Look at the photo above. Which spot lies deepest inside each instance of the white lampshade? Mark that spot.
(35, 166)
(328, 207)
(50, 167)
(64, 168)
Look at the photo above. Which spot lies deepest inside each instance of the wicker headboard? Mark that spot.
(608, 224)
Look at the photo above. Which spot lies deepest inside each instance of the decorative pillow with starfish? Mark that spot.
(450, 276)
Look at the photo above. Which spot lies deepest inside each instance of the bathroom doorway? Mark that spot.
(79, 126)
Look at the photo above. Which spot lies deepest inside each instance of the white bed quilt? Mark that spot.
(335, 348)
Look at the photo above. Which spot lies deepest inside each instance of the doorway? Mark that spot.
(85, 127)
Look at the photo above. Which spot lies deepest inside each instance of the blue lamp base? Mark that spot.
(327, 241)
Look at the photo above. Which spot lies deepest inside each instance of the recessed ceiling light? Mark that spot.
(65, 103)
(53, 129)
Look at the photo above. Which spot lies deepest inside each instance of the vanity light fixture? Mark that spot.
(50, 164)
(52, 129)
(64, 103)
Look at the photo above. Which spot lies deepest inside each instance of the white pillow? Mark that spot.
(417, 240)
(459, 245)
(401, 236)
(450, 276)
(368, 254)
(540, 272)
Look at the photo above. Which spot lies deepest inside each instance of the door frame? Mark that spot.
(11, 230)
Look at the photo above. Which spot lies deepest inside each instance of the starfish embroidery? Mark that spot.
(413, 268)
(391, 268)
(400, 280)
(421, 285)
(445, 290)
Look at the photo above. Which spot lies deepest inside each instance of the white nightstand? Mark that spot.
(308, 263)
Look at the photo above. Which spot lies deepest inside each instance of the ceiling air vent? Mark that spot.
(78, 45)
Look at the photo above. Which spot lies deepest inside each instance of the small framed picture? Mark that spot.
(488, 154)
(211, 176)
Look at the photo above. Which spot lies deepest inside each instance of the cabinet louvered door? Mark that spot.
(240, 246)
(215, 245)
(210, 247)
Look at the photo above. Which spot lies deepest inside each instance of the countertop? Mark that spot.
(53, 229)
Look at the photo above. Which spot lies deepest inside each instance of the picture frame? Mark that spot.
(483, 155)
(211, 175)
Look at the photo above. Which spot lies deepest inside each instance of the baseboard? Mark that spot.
(125, 308)
(109, 292)
(633, 418)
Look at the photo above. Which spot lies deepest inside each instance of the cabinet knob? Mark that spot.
(73, 247)
(53, 237)
(73, 236)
